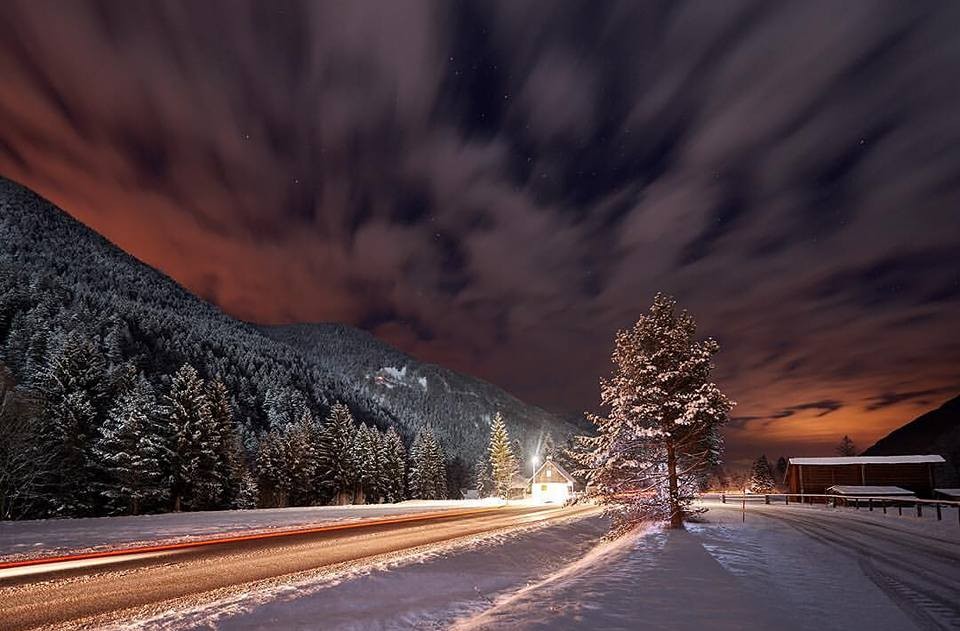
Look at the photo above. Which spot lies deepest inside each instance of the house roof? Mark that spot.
(868, 491)
(932, 458)
(556, 465)
(948, 492)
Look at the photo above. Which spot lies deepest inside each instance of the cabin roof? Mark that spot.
(556, 465)
(868, 491)
(841, 460)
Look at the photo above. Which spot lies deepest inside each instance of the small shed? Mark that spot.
(948, 494)
(869, 491)
(552, 483)
(914, 473)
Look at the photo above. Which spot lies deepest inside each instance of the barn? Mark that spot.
(551, 483)
(816, 475)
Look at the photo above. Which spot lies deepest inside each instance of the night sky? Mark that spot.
(498, 187)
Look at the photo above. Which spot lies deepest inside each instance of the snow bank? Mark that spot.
(59, 536)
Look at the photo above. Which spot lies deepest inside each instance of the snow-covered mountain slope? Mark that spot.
(56, 275)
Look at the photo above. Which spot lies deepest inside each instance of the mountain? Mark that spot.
(58, 276)
(936, 432)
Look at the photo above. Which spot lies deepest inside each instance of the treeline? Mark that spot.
(87, 437)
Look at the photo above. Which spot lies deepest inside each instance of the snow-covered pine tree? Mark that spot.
(230, 460)
(74, 400)
(394, 466)
(483, 479)
(335, 454)
(303, 465)
(761, 476)
(273, 471)
(421, 483)
(249, 492)
(846, 447)
(133, 454)
(503, 462)
(437, 467)
(195, 479)
(663, 430)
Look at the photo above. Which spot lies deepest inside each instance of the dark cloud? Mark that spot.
(500, 186)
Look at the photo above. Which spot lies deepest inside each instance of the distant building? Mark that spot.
(552, 483)
(816, 475)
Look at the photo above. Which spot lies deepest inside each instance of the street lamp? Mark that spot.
(535, 461)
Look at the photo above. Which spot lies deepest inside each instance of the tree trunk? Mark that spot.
(676, 515)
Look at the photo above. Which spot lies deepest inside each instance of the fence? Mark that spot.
(868, 503)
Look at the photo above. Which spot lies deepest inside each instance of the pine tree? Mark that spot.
(503, 462)
(229, 451)
(846, 447)
(133, 453)
(483, 477)
(303, 465)
(662, 434)
(427, 467)
(249, 491)
(273, 469)
(761, 476)
(73, 395)
(195, 479)
(394, 466)
(438, 468)
(781, 469)
(335, 454)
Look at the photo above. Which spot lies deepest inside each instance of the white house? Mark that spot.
(551, 483)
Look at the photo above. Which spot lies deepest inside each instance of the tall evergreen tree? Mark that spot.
(229, 449)
(273, 470)
(335, 454)
(483, 479)
(394, 466)
(662, 434)
(133, 453)
(304, 439)
(73, 394)
(195, 479)
(761, 476)
(781, 469)
(503, 462)
(422, 483)
(437, 467)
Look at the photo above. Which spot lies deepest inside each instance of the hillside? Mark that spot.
(936, 432)
(57, 276)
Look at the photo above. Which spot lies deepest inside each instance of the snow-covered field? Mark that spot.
(58, 536)
(785, 568)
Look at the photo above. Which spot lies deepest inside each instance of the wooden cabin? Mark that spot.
(552, 484)
(816, 475)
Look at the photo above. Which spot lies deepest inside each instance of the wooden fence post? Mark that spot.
(938, 512)
(723, 498)
(919, 509)
(766, 499)
(870, 503)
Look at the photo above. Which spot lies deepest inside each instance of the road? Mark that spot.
(93, 591)
(918, 570)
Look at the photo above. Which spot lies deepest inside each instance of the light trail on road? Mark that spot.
(100, 592)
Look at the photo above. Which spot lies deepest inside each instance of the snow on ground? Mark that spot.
(424, 588)
(58, 536)
(725, 573)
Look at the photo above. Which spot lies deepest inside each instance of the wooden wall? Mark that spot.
(818, 478)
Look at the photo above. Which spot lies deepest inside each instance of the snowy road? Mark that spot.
(95, 595)
(918, 568)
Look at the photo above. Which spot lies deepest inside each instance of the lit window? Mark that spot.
(549, 473)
